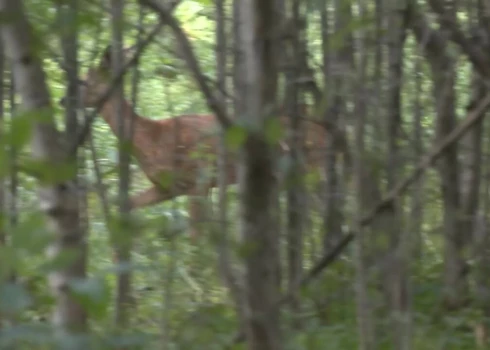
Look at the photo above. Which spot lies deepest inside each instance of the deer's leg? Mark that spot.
(149, 197)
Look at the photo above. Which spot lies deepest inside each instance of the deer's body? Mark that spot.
(177, 146)
(169, 146)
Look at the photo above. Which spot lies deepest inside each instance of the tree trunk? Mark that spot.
(225, 262)
(57, 196)
(442, 67)
(3, 211)
(364, 318)
(397, 271)
(417, 198)
(296, 210)
(334, 82)
(257, 174)
(123, 234)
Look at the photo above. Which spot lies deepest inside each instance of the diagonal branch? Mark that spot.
(82, 134)
(473, 117)
(212, 100)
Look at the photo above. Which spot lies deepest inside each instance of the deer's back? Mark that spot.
(185, 143)
(174, 143)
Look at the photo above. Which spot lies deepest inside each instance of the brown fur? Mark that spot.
(167, 146)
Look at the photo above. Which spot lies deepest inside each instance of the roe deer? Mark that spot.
(167, 145)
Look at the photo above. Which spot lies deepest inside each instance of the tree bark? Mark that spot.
(364, 319)
(121, 235)
(417, 197)
(397, 235)
(3, 212)
(226, 269)
(334, 81)
(257, 176)
(296, 196)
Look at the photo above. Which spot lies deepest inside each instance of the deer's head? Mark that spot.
(96, 81)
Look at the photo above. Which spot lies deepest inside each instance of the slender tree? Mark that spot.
(257, 180)
(57, 196)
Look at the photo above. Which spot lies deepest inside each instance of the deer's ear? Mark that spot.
(105, 61)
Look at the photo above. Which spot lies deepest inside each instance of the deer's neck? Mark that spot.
(110, 114)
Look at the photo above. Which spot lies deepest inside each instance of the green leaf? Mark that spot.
(166, 178)
(4, 161)
(205, 2)
(20, 131)
(30, 234)
(49, 173)
(93, 294)
(121, 229)
(235, 136)
(10, 260)
(126, 146)
(63, 259)
(313, 179)
(274, 131)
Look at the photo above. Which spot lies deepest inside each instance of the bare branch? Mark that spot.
(212, 100)
(114, 83)
(82, 135)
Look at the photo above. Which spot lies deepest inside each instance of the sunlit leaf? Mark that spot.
(49, 173)
(20, 131)
(205, 2)
(88, 19)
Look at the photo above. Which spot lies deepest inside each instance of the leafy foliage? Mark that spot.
(177, 284)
